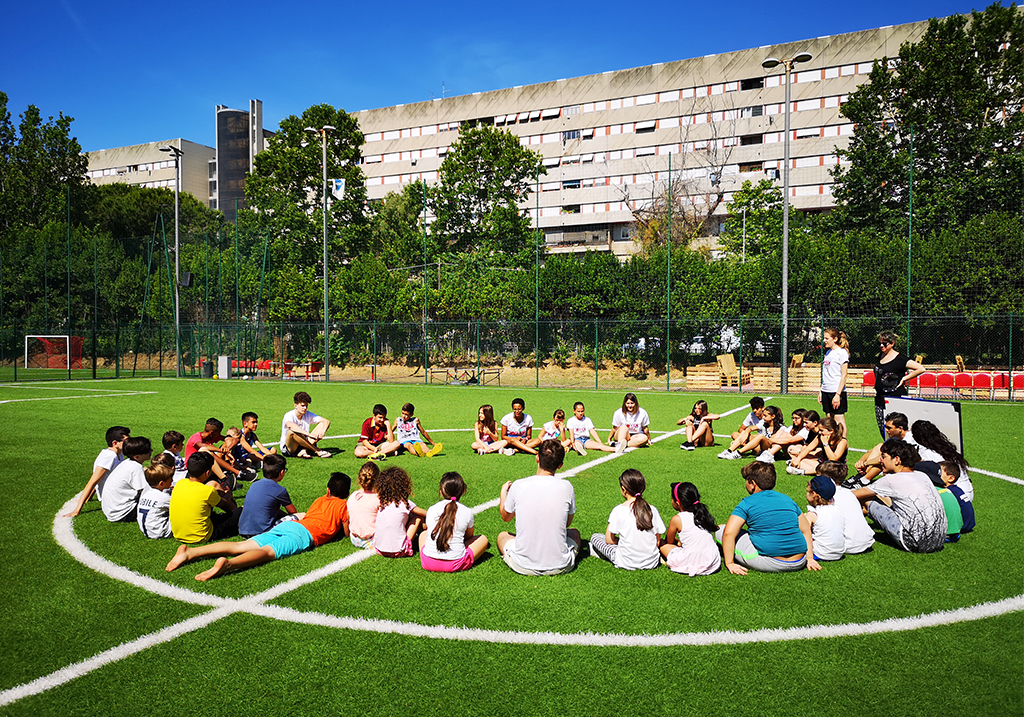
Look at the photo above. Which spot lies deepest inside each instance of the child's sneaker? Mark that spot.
(855, 482)
(766, 457)
(435, 450)
(725, 453)
(794, 471)
(687, 446)
(247, 474)
(378, 456)
(480, 451)
(509, 451)
(733, 455)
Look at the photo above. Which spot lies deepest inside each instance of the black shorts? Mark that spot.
(826, 404)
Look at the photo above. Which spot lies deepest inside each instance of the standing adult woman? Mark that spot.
(891, 375)
(832, 395)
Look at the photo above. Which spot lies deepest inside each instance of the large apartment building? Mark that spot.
(607, 140)
(144, 165)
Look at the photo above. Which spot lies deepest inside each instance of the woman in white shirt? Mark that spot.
(832, 395)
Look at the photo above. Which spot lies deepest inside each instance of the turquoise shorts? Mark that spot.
(287, 538)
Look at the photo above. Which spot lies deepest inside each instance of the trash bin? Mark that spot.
(207, 368)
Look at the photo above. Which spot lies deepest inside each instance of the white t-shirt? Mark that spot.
(121, 489)
(579, 428)
(308, 420)
(638, 549)
(108, 460)
(457, 543)
(180, 469)
(636, 422)
(828, 532)
(832, 369)
(542, 505)
(857, 534)
(155, 513)
(390, 534)
(551, 433)
(517, 429)
(407, 431)
(752, 421)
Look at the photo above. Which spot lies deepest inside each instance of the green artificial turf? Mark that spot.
(58, 611)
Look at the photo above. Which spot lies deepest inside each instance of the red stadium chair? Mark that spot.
(928, 380)
(983, 382)
(868, 382)
(963, 381)
(1018, 382)
(912, 384)
(1000, 380)
(944, 381)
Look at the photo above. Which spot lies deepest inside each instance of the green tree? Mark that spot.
(284, 191)
(396, 227)
(485, 177)
(957, 95)
(755, 213)
(40, 163)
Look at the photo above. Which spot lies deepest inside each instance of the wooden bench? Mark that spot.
(730, 374)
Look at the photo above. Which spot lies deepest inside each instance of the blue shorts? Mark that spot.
(583, 440)
(287, 538)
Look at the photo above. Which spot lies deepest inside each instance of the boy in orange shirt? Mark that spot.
(321, 523)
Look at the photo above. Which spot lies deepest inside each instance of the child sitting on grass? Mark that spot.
(120, 491)
(107, 460)
(363, 507)
(777, 538)
(858, 537)
(411, 434)
(449, 544)
(698, 426)
(193, 501)
(487, 437)
(583, 433)
(398, 519)
(250, 446)
(267, 502)
(752, 423)
(634, 528)
(325, 519)
(693, 526)
(950, 474)
(173, 443)
(517, 429)
(554, 430)
(154, 514)
(828, 524)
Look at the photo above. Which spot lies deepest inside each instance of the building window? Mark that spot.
(752, 167)
(751, 139)
(648, 126)
(571, 209)
(756, 111)
(570, 135)
(754, 83)
(571, 184)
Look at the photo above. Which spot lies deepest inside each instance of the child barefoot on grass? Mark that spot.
(582, 432)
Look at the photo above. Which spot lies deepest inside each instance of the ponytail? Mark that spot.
(839, 337)
(632, 481)
(452, 488)
(687, 498)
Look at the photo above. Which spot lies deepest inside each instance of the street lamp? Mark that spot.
(323, 188)
(176, 153)
(769, 64)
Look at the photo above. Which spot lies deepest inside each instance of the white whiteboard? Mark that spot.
(944, 414)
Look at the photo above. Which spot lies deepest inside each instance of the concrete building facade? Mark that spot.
(240, 137)
(144, 165)
(607, 140)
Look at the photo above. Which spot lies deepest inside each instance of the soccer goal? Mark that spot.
(49, 351)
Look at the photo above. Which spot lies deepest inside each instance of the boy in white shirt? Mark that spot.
(858, 536)
(119, 492)
(107, 460)
(154, 514)
(301, 430)
(827, 521)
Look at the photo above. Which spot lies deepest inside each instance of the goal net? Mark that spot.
(53, 351)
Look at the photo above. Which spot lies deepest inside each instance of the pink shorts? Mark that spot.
(405, 552)
(448, 566)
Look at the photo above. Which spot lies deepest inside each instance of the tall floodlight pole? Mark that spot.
(323, 188)
(769, 64)
(177, 153)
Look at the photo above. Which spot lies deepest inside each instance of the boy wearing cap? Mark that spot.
(828, 524)
(858, 534)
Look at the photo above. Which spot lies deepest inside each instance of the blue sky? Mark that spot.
(133, 72)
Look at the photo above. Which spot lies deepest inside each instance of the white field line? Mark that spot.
(65, 387)
(67, 398)
(64, 535)
(589, 639)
